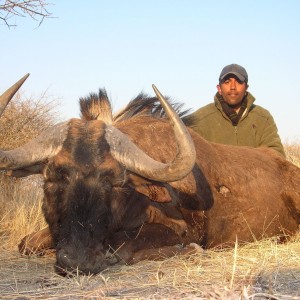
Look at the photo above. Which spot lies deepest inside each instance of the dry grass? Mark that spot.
(260, 270)
(293, 152)
(20, 199)
(20, 210)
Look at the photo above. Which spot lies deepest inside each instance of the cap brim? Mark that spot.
(239, 76)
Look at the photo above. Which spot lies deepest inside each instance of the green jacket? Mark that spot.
(256, 127)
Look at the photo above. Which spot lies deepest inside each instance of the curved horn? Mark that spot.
(7, 96)
(36, 151)
(137, 161)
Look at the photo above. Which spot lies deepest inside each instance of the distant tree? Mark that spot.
(36, 9)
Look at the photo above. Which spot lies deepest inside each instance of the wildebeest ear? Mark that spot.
(154, 191)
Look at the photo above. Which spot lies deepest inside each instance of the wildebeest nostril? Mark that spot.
(63, 258)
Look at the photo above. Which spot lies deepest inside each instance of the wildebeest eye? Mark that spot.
(62, 174)
(57, 173)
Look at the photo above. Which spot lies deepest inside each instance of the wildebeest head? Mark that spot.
(86, 184)
(79, 183)
(85, 165)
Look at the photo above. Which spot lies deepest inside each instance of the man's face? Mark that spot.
(232, 91)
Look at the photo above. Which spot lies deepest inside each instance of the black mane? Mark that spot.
(98, 106)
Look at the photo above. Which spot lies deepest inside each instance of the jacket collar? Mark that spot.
(250, 103)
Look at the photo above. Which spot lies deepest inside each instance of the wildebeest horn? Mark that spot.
(137, 161)
(7, 96)
(36, 151)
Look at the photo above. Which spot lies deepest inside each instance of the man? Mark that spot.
(233, 118)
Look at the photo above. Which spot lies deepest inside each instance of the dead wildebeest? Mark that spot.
(136, 185)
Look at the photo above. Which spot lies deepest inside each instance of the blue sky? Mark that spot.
(180, 46)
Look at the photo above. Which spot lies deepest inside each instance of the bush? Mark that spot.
(24, 118)
(20, 199)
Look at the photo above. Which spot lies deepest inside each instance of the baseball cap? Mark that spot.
(235, 69)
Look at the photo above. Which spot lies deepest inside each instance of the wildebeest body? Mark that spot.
(232, 193)
(99, 211)
(246, 193)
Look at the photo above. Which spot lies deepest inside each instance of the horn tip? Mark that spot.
(155, 89)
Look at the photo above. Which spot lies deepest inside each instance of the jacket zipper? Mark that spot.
(235, 131)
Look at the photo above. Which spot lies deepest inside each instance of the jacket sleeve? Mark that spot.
(270, 137)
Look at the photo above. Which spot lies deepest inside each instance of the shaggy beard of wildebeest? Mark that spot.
(141, 185)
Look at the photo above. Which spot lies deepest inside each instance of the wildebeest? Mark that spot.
(140, 184)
